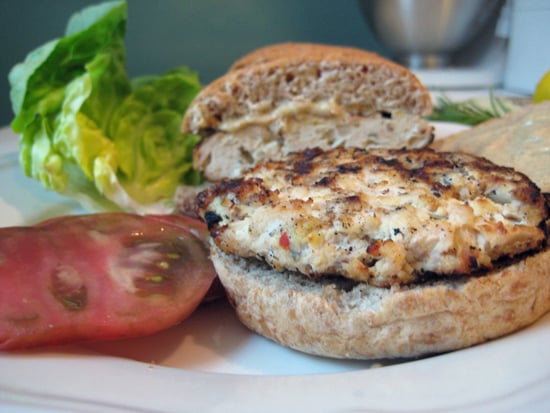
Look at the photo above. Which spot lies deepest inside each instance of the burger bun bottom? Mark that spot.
(336, 318)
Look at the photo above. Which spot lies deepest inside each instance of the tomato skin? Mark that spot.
(200, 229)
(98, 277)
(193, 225)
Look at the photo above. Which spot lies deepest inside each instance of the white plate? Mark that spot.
(210, 363)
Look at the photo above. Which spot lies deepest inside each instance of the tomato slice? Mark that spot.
(195, 226)
(198, 228)
(98, 277)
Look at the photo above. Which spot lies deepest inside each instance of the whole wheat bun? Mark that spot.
(359, 321)
(291, 96)
(520, 139)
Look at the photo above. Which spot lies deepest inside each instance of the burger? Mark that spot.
(382, 253)
(335, 231)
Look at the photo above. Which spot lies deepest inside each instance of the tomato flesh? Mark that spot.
(98, 277)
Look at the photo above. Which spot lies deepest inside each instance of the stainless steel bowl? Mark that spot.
(425, 33)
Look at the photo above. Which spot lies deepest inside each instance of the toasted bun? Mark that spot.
(520, 139)
(291, 96)
(364, 322)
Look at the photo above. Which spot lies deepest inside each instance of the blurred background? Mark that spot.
(208, 35)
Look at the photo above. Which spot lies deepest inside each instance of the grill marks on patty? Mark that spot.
(381, 216)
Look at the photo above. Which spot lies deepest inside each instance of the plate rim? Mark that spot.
(169, 387)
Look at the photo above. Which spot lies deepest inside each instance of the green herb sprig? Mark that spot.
(468, 112)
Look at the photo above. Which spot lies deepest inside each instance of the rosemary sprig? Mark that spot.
(468, 112)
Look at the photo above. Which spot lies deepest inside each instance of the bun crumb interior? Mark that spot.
(291, 96)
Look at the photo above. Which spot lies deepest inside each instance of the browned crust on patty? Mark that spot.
(384, 217)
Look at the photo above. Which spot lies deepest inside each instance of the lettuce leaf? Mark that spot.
(152, 152)
(90, 132)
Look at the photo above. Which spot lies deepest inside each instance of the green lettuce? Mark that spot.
(90, 132)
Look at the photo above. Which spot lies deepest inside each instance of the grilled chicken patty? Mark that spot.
(381, 216)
